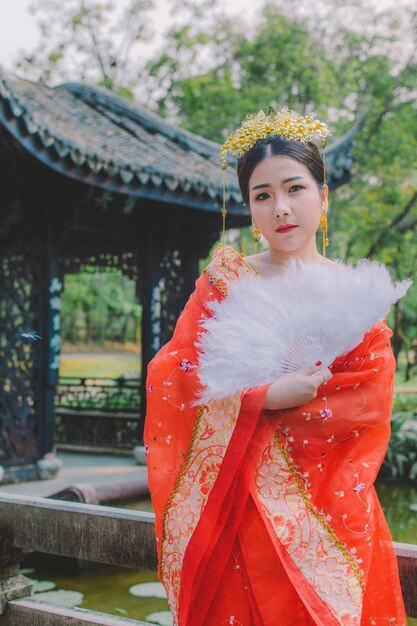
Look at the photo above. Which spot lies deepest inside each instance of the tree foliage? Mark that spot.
(99, 307)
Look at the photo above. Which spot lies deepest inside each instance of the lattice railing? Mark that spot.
(98, 412)
(99, 394)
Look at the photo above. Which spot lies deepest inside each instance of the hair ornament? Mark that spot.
(284, 123)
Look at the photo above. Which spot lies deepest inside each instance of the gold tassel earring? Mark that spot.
(256, 236)
(324, 227)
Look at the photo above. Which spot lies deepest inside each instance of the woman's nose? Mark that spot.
(281, 207)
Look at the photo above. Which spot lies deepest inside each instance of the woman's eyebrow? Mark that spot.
(285, 180)
(260, 186)
(288, 180)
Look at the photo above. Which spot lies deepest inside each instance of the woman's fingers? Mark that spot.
(320, 374)
(327, 374)
(323, 376)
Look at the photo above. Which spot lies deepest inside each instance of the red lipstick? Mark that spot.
(285, 228)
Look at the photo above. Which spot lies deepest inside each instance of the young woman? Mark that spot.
(269, 416)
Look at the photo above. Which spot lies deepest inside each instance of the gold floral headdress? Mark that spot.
(285, 124)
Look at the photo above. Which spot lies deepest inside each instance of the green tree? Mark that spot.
(244, 74)
(99, 307)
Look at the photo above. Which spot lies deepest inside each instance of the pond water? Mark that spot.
(128, 593)
(108, 589)
(399, 501)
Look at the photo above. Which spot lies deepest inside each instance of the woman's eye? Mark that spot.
(296, 188)
(262, 196)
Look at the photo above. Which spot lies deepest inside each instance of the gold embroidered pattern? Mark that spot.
(211, 435)
(220, 285)
(309, 540)
(227, 264)
(339, 544)
(180, 477)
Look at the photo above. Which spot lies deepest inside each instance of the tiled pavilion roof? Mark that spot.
(92, 135)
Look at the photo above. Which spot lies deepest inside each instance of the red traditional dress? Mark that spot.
(271, 518)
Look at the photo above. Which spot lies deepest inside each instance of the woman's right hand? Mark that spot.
(296, 388)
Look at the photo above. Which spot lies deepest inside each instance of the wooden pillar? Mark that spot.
(50, 306)
(149, 288)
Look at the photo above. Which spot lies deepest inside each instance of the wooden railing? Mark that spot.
(100, 394)
(101, 534)
(97, 413)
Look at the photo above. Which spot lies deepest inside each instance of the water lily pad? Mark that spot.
(40, 586)
(164, 618)
(61, 597)
(148, 590)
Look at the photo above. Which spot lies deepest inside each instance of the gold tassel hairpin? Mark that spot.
(224, 211)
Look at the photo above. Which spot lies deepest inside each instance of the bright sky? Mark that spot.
(18, 30)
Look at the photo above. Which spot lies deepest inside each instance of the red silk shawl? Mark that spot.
(271, 518)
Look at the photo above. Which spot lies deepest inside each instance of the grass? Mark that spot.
(100, 365)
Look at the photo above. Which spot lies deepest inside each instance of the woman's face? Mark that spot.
(286, 204)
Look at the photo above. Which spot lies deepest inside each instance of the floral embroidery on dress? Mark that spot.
(227, 265)
(208, 477)
(329, 576)
(270, 481)
(286, 530)
(386, 621)
(304, 535)
(212, 434)
(186, 365)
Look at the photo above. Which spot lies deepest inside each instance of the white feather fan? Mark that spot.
(269, 326)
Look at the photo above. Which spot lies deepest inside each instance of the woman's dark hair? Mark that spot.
(305, 153)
